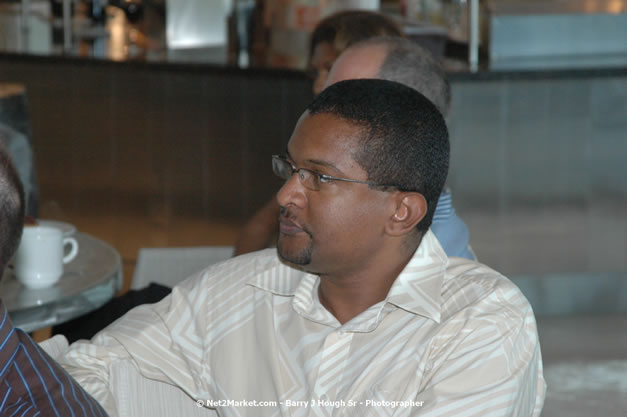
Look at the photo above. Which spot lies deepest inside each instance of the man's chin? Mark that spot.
(296, 256)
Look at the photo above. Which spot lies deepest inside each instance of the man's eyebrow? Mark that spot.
(324, 164)
(316, 162)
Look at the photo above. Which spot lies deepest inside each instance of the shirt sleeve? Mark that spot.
(486, 362)
(164, 341)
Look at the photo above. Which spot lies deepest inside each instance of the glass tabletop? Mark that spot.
(89, 281)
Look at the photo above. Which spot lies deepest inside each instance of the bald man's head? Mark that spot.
(394, 59)
(358, 62)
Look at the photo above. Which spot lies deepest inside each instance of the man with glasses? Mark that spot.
(358, 312)
(387, 58)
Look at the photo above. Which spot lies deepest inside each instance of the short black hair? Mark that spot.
(11, 208)
(405, 140)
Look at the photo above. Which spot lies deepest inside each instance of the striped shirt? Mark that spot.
(452, 338)
(32, 383)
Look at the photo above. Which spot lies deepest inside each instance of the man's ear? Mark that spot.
(411, 208)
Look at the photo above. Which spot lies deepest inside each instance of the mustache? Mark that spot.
(287, 214)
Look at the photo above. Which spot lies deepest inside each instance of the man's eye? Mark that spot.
(324, 179)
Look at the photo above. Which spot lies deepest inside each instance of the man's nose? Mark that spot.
(292, 193)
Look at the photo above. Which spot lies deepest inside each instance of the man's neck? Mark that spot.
(347, 296)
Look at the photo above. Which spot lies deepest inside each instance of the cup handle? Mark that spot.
(73, 251)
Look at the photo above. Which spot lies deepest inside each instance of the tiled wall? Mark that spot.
(539, 173)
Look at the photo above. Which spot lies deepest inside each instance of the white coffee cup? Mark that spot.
(40, 257)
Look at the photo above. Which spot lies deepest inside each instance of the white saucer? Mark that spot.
(67, 228)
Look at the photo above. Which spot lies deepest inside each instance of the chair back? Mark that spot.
(169, 266)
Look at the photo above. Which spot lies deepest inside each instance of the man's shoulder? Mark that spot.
(470, 285)
(254, 261)
(236, 271)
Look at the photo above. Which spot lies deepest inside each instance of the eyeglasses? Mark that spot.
(312, 180)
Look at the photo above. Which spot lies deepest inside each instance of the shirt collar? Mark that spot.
(418, 288)
(9, 340)
(270, 274)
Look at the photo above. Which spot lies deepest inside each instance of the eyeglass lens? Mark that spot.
(283, 169)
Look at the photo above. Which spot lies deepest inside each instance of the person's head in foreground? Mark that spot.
(333, 34)
(392, 58)
(11, 209)
(371, 159)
